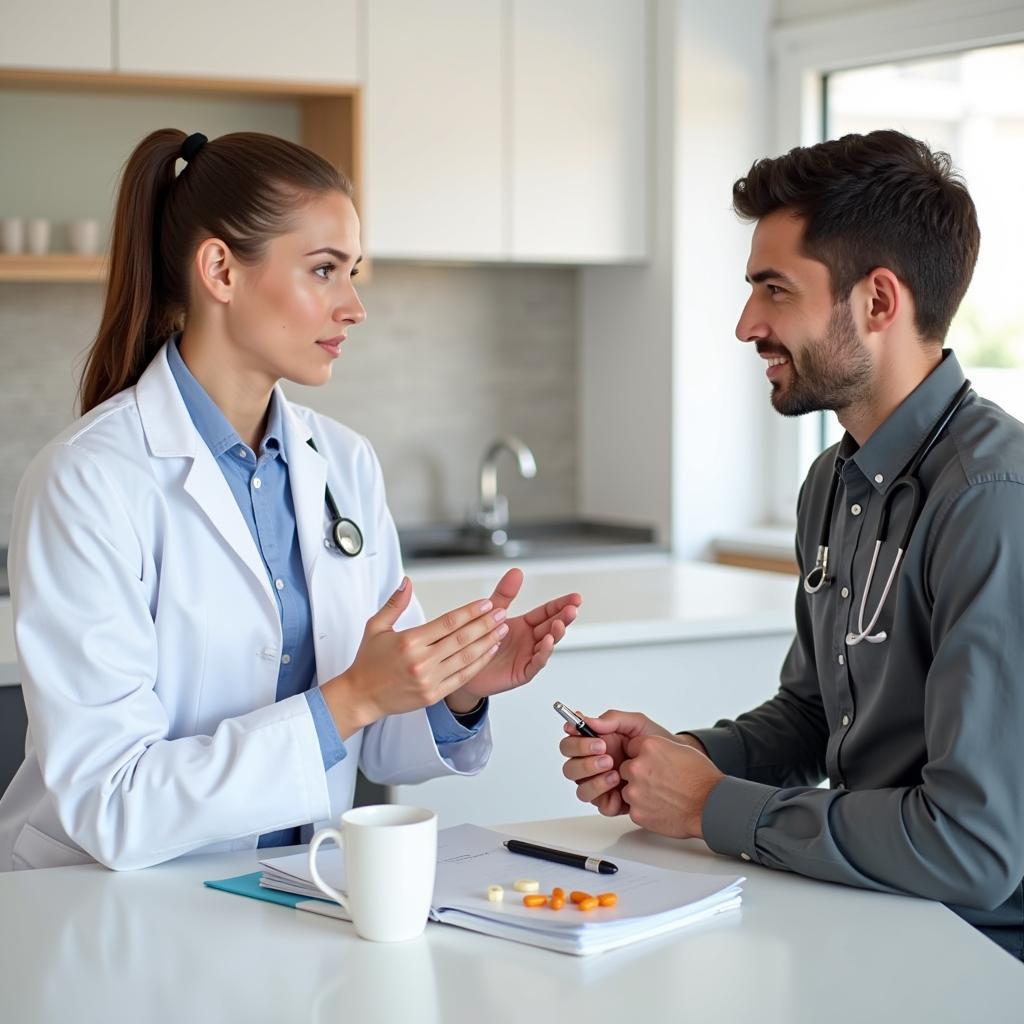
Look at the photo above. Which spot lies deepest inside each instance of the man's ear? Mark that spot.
(883, 299)
(215, 269)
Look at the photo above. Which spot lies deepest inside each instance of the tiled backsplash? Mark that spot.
(448, 358)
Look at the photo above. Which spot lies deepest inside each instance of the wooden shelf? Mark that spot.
(55, 266)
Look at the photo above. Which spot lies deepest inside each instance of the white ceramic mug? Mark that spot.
(390, 860)
(12, 235)
(84, 236)
(38, 236)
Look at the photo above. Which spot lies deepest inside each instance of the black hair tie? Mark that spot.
(192, 145)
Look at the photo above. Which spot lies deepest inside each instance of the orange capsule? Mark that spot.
(535, 899)
(590, 903)
(578, 897)
(557, 902)
(557, 893)
(607, 899)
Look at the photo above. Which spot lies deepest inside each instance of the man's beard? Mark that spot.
(832, 374)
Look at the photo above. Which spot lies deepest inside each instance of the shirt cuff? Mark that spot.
(449, 729)
(731, 813)
(724, 747)
(332, 746)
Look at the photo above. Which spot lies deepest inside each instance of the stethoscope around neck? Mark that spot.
(818, 577)
(343, 533)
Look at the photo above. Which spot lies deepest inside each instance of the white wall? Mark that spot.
(672, 407)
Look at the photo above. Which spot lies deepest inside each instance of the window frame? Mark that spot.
(804, 53)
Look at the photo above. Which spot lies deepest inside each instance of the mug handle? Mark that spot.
(327, 890)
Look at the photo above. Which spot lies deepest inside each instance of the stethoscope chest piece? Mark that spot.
(347, 537)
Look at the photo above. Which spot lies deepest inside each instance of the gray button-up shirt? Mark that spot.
(919, 736)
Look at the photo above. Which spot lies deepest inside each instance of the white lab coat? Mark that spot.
(149, 642)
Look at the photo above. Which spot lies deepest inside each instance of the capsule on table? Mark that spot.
(578, 897)
(535, 899)
(526, 885)
(558, 893)
(590, 903)
(607, 899)
(557, 902)
(495, 893)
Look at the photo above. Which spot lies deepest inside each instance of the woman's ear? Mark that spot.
(214, 266)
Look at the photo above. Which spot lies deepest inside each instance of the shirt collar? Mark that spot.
(212, 424)
(888, 451)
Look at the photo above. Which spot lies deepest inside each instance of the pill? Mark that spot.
(578, 897)
(557, 902)
(495, 893)
(526, 885)
(535, 900)
(557, 893)
(588, 904)
(607, 899)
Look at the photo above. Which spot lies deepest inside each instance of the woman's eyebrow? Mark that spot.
(336, 253)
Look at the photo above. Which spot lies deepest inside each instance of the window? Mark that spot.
(970, 104)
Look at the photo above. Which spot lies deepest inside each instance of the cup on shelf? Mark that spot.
(38, 233)
(84, 236)
(12, 235)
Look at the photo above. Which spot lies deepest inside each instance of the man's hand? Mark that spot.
(667, 784)
(593, 764)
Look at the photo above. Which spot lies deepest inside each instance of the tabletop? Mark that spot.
(83, 944)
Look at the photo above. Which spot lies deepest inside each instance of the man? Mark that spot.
(904, 686)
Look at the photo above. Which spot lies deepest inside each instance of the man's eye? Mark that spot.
(325, 266)
(774, 289)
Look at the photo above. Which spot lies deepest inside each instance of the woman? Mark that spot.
(178, 588)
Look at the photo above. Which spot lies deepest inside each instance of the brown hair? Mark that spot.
(876, 200)
(242, 188)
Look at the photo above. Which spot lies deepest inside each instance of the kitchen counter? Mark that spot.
(628, 600)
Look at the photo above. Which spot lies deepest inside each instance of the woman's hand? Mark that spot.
(525, 650)
(395, 672)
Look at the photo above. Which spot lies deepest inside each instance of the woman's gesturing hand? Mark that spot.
(395, 672)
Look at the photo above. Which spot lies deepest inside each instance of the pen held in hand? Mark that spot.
(575, 860)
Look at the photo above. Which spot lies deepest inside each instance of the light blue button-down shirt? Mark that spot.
(261, 487)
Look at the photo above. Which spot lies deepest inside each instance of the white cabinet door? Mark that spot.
(433, 157)
(56, 34)
(579, 130)
(303, 40)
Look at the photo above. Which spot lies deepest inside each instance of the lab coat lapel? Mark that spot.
(307, 473)
(170, 433)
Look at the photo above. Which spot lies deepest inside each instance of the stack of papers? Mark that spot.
(651, 901)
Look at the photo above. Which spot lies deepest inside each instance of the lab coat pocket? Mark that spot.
(35, 849)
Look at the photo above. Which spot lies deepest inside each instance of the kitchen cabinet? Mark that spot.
(507, 129)
(578, 131)
(304, 40)
(434, 133)
(56, 34)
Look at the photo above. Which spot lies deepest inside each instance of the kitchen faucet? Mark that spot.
(492, 514)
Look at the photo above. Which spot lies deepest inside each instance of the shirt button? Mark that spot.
(879, 478)
(257, 482)
(744, 856)
(279, 584)
(855, 510)
(842, 660)
(327, 543)
(240, 452)
(286, 659)
(845, 591)
(846, 719)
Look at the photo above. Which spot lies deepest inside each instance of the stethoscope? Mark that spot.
(818, 576)
(346, 536)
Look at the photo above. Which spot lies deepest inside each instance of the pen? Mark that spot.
(573, 719)
(575, 860)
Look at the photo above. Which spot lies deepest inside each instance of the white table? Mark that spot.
(84, 944)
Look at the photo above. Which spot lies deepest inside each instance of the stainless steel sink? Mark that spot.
(547, 539)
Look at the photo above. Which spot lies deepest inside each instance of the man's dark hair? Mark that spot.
(876, 200)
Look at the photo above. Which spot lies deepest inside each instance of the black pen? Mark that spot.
(573, 719)
(575, 860)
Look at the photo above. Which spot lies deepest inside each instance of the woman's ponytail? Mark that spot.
(137, 314)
